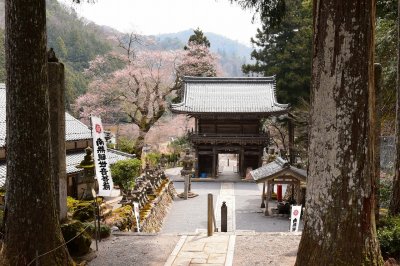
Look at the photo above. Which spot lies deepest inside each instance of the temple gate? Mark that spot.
(228, 113)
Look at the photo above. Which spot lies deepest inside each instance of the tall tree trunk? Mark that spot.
(394, 208)
(31, 224)
(340, 219)
(139, 145)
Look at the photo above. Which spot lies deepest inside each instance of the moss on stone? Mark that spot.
(80, 244)
(105, 230)
(84, 211)
(121, 218)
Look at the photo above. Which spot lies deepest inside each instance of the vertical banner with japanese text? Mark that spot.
(295, 218)
(103, 173)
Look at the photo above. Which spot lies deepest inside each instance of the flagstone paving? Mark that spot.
(200, 249)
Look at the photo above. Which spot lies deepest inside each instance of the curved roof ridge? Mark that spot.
(193, 79)
(229, 95)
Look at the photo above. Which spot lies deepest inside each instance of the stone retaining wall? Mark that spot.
(153, 221)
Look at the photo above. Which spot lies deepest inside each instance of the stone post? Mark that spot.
(57, 129)
(186, 187)
(224, 217)
(210, 215)
(263, 197)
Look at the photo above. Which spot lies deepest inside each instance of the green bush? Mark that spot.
(124, 173)
(126, 145)
(153, 158)
(80, 245)
(389, 236)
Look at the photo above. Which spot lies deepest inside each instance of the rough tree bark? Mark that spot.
(31, 224)
(394, 208)
(340, 220)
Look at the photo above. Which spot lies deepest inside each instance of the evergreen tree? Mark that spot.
(339, 224)
(285, 51)
(198, 38)
(197, 61)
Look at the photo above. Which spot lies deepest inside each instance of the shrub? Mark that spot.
(153, 158)
(126, 145)
(389, 236)
(124, 172)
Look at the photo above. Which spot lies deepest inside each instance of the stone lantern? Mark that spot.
(163, 161)
(187, 173)
(88, 176)
(187, 163)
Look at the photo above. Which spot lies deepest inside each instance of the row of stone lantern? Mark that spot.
(145, 185)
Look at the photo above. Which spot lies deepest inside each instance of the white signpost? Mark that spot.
(137, 213)
(295, 218)
(103, 173)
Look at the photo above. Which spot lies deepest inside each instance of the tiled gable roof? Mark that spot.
(74, 129)
(229, 95)
(277, 167)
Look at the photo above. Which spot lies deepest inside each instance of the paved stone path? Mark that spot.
(199, 249)
(245, 217)
(227, 194)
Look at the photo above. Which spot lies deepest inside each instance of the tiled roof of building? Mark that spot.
(73, 160)
(74, 129)
(229, 95)
(276, 168)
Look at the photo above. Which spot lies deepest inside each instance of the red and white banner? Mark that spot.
(295, 218)
(103, 173)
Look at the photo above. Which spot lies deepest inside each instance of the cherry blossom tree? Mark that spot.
(136, 92)
(198, 61)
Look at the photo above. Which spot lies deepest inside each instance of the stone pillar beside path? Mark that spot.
(57, 129)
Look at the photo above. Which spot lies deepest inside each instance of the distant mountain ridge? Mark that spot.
(232, 53)
(218, 42)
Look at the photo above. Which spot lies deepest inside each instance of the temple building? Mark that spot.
(77, 137)
(228, 115)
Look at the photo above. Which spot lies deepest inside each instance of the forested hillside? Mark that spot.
(75, 41)
(232, 54)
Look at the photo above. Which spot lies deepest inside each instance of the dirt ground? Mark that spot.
(152, 250)
(272, 249)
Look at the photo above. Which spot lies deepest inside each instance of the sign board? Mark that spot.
(103, 173)
(136, 213)
(295, 218)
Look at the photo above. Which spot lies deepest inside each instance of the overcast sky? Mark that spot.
(152, 17)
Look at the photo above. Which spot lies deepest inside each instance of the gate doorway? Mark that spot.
(228, 166)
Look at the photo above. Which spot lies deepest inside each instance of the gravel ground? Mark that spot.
(272, 249)
(135, 250)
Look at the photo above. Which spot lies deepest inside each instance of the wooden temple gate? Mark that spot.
(228, 113)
